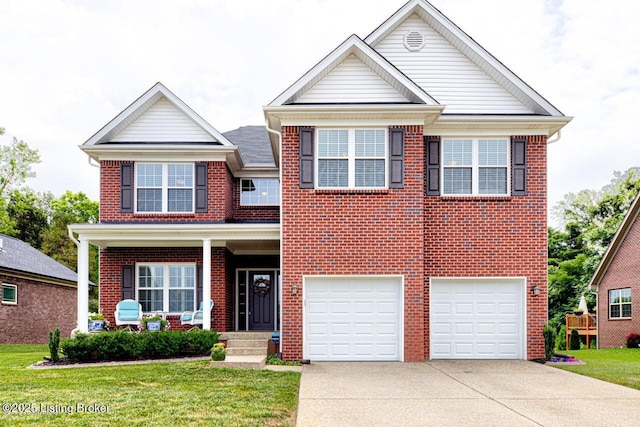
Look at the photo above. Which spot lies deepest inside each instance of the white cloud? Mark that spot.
(68, 67)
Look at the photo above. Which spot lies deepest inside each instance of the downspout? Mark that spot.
(72, 237)
(558, 136)
(91, 164)
(279, 135)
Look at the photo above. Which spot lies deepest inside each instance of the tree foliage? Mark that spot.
(589, 221)
(16, 160)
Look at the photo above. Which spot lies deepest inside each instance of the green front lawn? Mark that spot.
(179, 393)
(615, 365)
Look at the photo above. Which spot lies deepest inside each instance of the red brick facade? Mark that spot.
(623, 272)
(41, 307)
(402, 232)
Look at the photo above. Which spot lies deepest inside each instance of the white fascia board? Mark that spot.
(174, 234)
(353, 114)
(158, 152)
(142, 104)
(354, 45)
(457, 37)
(254, 173)
(497, 125)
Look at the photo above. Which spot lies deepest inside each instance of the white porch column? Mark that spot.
(206, 284)
(83, 285)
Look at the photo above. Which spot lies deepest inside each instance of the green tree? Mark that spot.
(16, 160)
(29, 213)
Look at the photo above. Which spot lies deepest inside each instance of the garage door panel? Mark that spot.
(486, 321)
(362, 316)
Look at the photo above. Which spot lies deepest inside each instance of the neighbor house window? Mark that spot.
(475, 166)
(166, 287)
(352, 158)
(261, 192)
(9, 294)
(620, 303)
(164, 187)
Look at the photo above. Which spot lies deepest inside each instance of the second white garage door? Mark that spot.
(477, 319)
(352, 318)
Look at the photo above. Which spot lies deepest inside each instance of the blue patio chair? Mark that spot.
(129, 313)
(195, 318)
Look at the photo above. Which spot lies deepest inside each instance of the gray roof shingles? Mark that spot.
(253, 143)
(19, 256)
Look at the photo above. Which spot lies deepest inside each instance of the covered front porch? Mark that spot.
(171, 268)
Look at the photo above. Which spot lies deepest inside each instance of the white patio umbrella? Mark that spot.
(582, 305)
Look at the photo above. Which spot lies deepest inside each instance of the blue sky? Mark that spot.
(68, 67)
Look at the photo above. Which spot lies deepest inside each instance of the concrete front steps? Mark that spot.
(245, 350)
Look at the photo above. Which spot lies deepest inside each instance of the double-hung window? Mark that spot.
(9, 294)
(620, 303)
(475, 166)
(351, 158)
(164, 187)
(260, 192)
(166, 287)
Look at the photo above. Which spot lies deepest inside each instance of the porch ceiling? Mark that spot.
(238, 238)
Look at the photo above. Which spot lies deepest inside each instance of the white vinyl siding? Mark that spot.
(353, 318)
(477, 318)
(447, 74)
(351, 81)
(163, 122)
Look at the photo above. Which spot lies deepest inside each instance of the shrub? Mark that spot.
(561, 339)
(218, 352)
(273, 359)
(124, 345)
(574, 341)
(54, 344)
(633, 340)
(549, 341)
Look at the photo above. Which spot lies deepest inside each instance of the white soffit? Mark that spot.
(354, 46)
(147, 104)
(468, 47)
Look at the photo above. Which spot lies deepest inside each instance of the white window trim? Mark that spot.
(351, 140)
(165, 188)
(166, 287)
(619, 304)
(15, 288)
(242, 203)
(475, 167)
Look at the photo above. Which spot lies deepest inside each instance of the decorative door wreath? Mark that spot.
(261, 286)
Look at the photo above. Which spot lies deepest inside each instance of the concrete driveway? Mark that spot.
(459, 393)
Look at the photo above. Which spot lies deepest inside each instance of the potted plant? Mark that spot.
(154, 323)
(577, 312)
(96, 322)
(218, 352)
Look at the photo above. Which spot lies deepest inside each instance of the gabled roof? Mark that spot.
(143, 104)
(470, 48)
(626, 225)
(354, 45)
(18, 257)
(253, 143)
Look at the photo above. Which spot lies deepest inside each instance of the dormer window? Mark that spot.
(164, 187)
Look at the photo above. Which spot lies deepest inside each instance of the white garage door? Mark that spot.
(477, 319)
(354, 319)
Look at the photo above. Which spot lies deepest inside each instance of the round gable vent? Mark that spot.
(414, 40)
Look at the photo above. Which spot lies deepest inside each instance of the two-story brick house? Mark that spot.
(400, 216)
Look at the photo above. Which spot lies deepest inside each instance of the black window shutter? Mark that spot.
(127, 287)
(396, 158)
(126, 187)
(201, 187)
(518, 166)
(199, 281)
(306, 157)
(432, 165)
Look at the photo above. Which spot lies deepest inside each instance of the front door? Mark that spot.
(262, 290)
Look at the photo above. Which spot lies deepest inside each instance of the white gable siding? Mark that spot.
(163, 122)
(446, 74)
(351, 81)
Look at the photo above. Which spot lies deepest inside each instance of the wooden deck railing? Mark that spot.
(585, 324)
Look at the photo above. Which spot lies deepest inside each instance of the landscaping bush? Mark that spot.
(125, 345)
(218, 352)
(574, 341)
(54, 344)
(633, 340)
(549, 341)
(561, 339)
